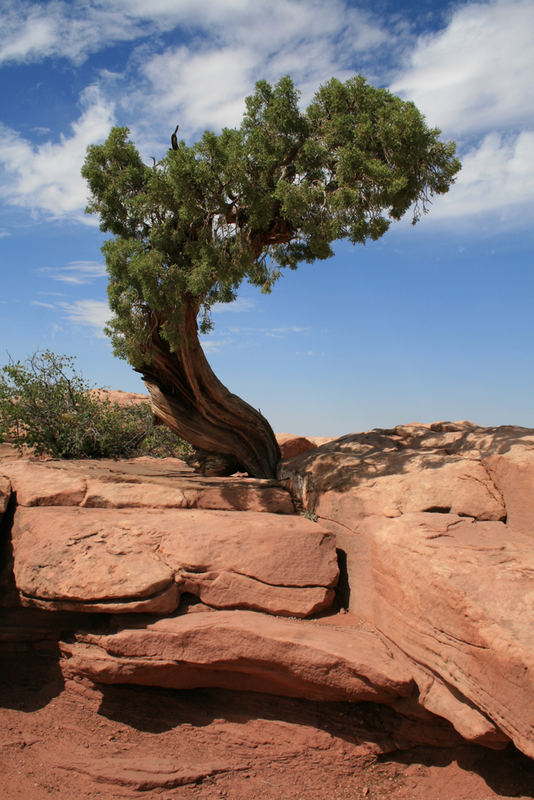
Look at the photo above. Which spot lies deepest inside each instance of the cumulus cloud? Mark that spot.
(205, 81)
(475, 74)
(46, 178)
(496, 179)
(33, 31)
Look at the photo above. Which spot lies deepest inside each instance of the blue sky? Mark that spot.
(432, 322)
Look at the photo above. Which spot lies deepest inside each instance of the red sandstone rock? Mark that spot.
(120, 397)
(37, 485)
(291, 446)
(5, 493)
(73, 559)
(454, 595)
(219, 590)
(451, 589)
(168, 483)
(91, 559)
(246, 651)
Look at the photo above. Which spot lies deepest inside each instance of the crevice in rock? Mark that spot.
(342, 591)
(437, 510)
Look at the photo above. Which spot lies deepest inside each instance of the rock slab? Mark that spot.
(112, 560)
(247, 651)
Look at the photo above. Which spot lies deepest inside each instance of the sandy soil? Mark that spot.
(71, 741)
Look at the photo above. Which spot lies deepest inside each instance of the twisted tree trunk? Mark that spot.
(188, 397)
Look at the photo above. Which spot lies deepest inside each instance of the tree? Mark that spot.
(244, 204)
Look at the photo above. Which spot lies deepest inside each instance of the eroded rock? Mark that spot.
(92, 559)
(246, 651)
(5, 494)
(435, 525)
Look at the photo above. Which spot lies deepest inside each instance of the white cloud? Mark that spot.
(476, 74)
(239, 305)
(47, 178)
(33, 31)
(42, 305)
(214, 345)
(76, 272)
(94, 313)
(203, 84)
(496, 178)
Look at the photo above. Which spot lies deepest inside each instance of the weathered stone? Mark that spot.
(139, 483)
(36, 484)
(220, 590)
(291, 446)
(5, 493)
(122, 494)
(434, 524)
(71, 558)
(246, 651)
(113, 560)
(455, 595)
(277, 550)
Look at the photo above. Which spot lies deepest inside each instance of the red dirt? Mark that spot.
(75, 742)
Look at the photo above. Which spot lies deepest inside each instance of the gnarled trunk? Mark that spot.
(188, 397)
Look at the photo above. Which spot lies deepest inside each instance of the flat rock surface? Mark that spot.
(138, 483)
(133, 559)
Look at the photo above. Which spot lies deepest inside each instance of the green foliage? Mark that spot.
(46, 405)
(245, 203)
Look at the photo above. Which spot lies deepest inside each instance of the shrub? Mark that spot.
(46, 405)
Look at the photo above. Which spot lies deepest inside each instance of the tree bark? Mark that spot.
(188, 397)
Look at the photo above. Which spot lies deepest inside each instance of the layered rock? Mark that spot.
(138, 483)
(115, 560)
(246, 651)
(435, 524)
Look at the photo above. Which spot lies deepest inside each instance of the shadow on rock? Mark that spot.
(508, 773)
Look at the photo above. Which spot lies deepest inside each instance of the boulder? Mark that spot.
(434, 524)
(291, 446)
(114, 560)
(243, 650)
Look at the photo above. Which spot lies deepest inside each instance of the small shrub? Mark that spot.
(47, 406)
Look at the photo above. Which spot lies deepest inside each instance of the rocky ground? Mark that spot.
(140, 600)
(67, 742)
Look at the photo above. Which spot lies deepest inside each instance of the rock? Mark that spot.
(143, 773)
(455, 595)
(119, 397)
(75, 559)
(291, 446)
(219, 590)
(434, 525)
(139, 483)
(37, 485)
(5, 494)
(112, 560)
(246, 651)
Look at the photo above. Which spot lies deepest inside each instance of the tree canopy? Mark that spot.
(247, 202)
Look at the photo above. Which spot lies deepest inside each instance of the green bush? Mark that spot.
(47, 406)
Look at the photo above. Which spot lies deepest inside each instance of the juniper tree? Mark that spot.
(244, 204)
